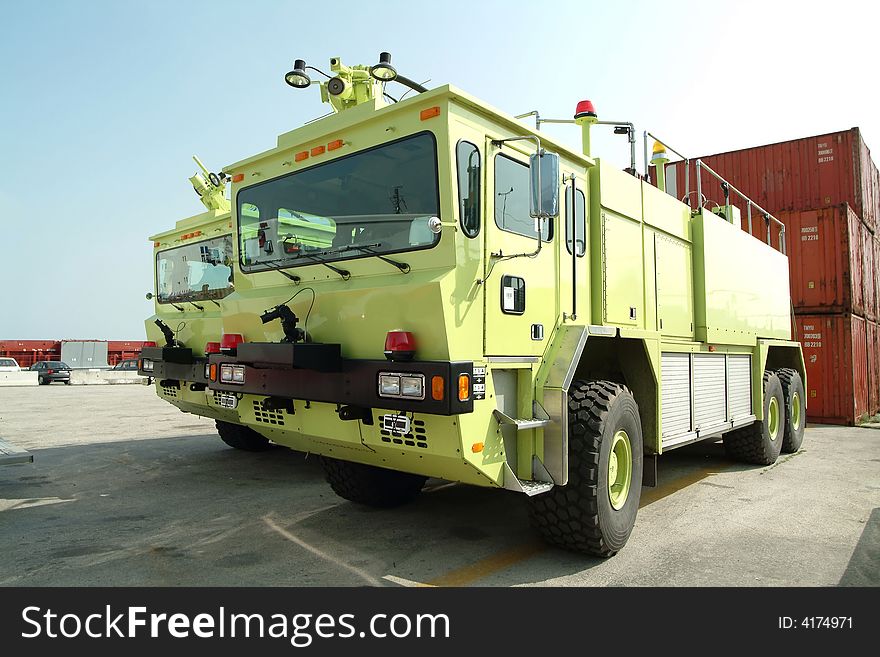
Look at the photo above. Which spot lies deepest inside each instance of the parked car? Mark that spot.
(9, 365)
(49, 371)
(127, 365)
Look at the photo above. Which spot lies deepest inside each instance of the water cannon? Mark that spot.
(211, 188)
(289, 321)
(167, 332)
(350, 86)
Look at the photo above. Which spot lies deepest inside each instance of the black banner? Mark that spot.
(430, 621)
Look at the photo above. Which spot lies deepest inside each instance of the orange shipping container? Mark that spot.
(835, 354)
(802, 174)
(825, 260)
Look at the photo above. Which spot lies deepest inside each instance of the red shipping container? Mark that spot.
(835, 353)
(869, 272)
(826, 261)
(802, 174)
(873, 368)
(28, 352)
(877, 275)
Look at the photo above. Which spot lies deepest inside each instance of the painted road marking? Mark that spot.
(507, 558)
(406, 582)
(290, 536)
(488, 566)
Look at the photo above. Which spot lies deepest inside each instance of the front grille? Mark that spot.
(266, 416)
(417, 437)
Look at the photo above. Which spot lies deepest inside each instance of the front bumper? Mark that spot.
(293, 375)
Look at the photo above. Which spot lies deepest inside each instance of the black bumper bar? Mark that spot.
(336, 380)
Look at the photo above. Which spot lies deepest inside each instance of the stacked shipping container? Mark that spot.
(826, 190)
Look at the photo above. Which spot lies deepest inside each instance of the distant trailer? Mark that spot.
(86, 354)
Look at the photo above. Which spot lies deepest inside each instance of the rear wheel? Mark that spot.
(241, 437)
(595, 511)
(795, 409)
(371, 486)
(761, 441)
(41, 380)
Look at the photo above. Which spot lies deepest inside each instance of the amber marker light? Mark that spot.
(437, 388)
(333, 145)
(429, 113)
(317, 150)
(302, 155)
(212, 372)
(476, 448)
(464, 387)
(237, 178)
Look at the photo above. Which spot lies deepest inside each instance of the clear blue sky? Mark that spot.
(103, 103)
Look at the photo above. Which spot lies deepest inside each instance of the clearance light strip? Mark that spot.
(188, 236)
(334, 145)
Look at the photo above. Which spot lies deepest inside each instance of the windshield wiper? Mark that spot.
(195, 304)
(368, 248)
(317, 258)
(296, 279)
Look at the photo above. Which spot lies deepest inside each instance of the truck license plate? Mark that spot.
(396, 425)
(227, 400)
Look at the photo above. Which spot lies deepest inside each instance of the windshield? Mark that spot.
(380, 199)
(195, 272)
(7, 362)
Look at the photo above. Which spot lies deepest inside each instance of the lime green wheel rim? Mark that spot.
(796, 411)
(773, 418)
(619, 470)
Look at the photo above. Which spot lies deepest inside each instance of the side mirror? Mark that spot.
(544, 187)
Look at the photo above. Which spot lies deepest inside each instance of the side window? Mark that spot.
(468, 162)
(512, 200)
(580, 221)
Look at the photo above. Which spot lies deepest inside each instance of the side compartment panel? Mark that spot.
(675, 396)
(739, 368)
(710, 391)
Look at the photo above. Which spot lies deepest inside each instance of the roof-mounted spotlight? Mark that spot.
(384, 71)
(298, 78)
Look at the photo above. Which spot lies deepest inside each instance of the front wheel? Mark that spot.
(41, 381)
(241, 437)
(369, 485)
(594, 513)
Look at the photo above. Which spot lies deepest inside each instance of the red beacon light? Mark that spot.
(585, 109)
(400, 345)
(229, 343)
(212, 348)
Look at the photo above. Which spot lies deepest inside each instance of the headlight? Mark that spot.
(232, 373)
(402, 385)
(147, 365)
(389, 385)
(412, 386)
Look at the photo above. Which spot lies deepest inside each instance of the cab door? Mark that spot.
(521, 295)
